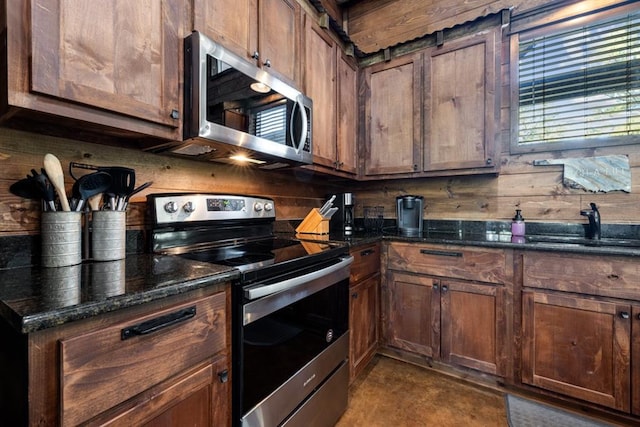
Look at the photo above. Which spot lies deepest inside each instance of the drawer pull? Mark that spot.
(613, 276)
(158, 323)
(624, 315)
(367, 252)
(440, 253)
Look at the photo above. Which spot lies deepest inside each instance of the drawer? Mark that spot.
(102, 369)
(366, 262)
(480, 264)
(612, 276)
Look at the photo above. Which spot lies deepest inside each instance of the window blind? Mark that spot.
(580, 84)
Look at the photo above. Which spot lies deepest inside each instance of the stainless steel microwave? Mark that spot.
(237, 112)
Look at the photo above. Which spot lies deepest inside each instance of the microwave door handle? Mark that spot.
(303, 116)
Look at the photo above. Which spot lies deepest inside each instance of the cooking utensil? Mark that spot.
(26, 188)
(53, 168)
(90, 185)
(44, 186)
(94, 201)
(327, 205)
(123, 181)
(135, 191)
(330, 213)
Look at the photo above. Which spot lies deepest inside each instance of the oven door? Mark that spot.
(291, 347)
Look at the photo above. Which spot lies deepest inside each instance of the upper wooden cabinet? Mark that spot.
(267, 31)
(330, 81)
(461, 110)
(347, 144)
(434, 112)
(392, 131)
(114, 65)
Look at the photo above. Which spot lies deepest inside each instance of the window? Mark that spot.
(578, 85)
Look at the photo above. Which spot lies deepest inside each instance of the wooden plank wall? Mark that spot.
(294, 193)
(377, 24)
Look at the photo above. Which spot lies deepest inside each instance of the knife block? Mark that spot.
(314, 223)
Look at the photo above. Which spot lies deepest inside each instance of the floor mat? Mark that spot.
(527, 413)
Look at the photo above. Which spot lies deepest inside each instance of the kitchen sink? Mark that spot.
(582, 241)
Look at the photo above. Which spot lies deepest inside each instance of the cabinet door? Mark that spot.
(635, 361)
(461, 109)
(119, 56)
(414, 314)
(363, 323)
(473, 325)
(320, 86)
(577, 346)
(199, 398)
(279, 38)
(232, 23)
(347, 142)
(392, 112)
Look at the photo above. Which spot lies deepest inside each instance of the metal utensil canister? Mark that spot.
(61, 234)
(108, 235)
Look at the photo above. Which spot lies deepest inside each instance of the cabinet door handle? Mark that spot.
(158, 323)
(367, 252)
(354, 295)
(445, 288)
(624, 315)
(440, 253)
(224, 376)
(435, 286)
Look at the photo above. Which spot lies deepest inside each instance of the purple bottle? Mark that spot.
(517, 225)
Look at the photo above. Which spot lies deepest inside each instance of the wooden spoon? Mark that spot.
(53, 168)
(94, 202)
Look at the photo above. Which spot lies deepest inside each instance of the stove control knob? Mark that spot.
(171, 207)
(258, 207)
(189, 207)
(268, 206)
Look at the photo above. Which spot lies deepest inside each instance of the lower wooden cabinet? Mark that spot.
(162, 363)
(581, 347)
(364, 312)
(455, 321)
(196, 398)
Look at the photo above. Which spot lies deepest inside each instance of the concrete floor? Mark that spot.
(391, 393)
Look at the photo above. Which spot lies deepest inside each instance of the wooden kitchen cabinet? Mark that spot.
(265, 31)
(449, 320)
(330, 81)
(461, 108)
(448, 303)
(347, 143)
(93, 372)
(115, 67)
(434, 112)
(392, 117)
(364, 312)
(578, 346)
(581, 327)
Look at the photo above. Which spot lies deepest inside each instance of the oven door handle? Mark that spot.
(262, 291)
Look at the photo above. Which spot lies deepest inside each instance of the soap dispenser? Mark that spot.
(517, 225)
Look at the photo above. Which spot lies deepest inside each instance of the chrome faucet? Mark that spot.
(594, 221)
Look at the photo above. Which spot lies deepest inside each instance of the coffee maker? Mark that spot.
(409, 214)
(342, 220)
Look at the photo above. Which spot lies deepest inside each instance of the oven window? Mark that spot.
(275, 347)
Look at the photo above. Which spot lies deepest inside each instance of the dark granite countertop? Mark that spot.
(620, 240)
(34, 298)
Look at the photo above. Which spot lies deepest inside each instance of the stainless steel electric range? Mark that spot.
(290, 335)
